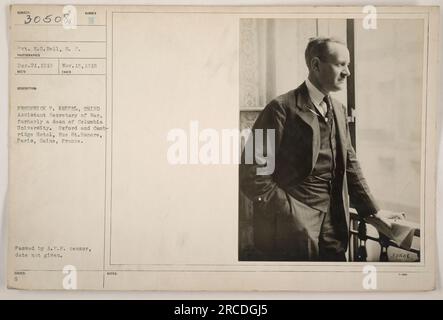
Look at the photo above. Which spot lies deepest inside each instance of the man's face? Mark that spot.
(333, 68)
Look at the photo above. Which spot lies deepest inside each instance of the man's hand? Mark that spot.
(383, 219)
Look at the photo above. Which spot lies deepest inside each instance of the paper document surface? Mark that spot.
(125, 143)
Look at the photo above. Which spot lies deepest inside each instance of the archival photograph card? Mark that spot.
(186, 148)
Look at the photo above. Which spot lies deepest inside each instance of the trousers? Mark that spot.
(298, 232)
(330, 247)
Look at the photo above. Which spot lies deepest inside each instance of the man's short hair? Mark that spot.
(318, 47)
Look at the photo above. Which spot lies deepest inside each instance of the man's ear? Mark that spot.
(315, 64)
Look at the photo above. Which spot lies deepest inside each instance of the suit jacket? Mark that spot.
(284, 226)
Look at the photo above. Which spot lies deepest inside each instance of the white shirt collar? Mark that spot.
(315, 94)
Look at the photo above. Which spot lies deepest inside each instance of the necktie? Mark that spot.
(327, 101)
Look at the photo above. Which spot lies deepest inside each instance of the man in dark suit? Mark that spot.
(301, 209)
